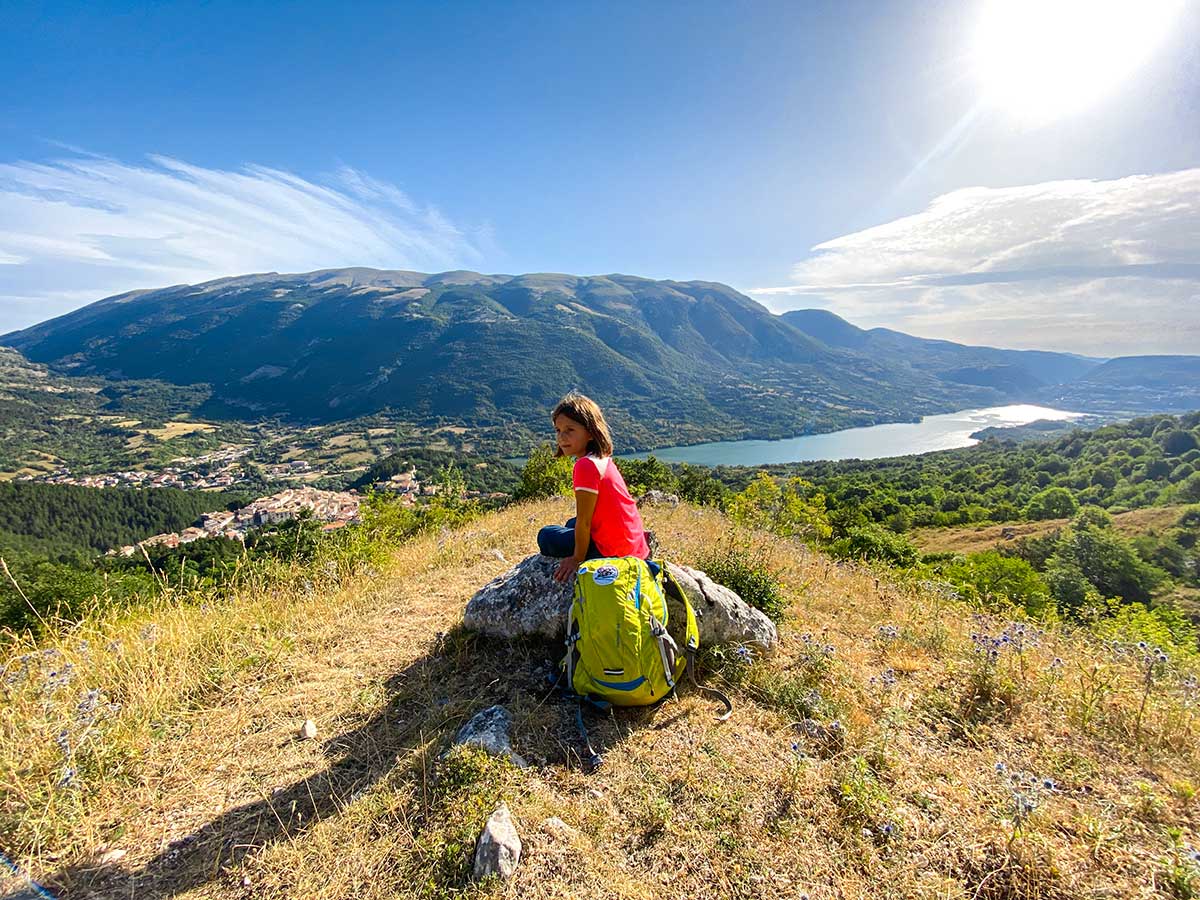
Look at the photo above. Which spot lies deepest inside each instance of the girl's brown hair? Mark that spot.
(581, 409)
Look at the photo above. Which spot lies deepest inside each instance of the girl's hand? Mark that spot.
(566, 569)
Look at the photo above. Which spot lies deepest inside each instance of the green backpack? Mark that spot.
(618, 648)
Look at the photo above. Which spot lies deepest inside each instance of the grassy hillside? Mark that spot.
(977, 538)
(164, 742)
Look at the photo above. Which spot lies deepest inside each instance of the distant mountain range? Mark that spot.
(689, 360)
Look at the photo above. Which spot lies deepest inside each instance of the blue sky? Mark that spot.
(149, 144)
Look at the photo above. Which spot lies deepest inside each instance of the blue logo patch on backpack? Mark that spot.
(605, 575)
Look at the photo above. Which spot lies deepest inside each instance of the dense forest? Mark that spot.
(57, 520)
(1150, 461)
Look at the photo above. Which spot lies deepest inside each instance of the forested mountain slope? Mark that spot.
(688, 360)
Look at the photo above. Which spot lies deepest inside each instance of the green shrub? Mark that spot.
(1158, 626)
(794, 510)
(875, 542)
(544, 475)
(642, 475)
(990, 577)
(740, 569)
(1052, 503)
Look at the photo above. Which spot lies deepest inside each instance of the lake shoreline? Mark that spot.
(927, 434)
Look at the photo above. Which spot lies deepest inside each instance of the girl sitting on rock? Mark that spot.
(606, 520)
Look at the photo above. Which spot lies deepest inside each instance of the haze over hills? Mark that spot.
(1127, 384)
(689, 359)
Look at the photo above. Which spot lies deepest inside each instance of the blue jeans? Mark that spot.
(559, 541)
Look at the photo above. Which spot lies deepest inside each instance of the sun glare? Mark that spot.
(1039, 60)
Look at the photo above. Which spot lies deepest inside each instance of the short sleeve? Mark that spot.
(586, 476)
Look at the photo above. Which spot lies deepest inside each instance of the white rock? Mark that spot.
(658, 498)
(489, 730)
(499, 848)
(308, 730)
(560, 829)
(108, 857)
(524, 600)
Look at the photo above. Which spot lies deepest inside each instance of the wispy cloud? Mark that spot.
(78, 229)
(1104, 267)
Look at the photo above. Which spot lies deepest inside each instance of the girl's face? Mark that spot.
(572, 437)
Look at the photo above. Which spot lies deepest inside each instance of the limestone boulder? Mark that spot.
(721, 615)
(526, 600)
(658, 498)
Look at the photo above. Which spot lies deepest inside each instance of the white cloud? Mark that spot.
(78, 229)
(1101, 267)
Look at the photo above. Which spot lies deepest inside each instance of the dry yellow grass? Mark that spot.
(171, 430)
(356, 457)
(977, 538)
(199, 775)
(341, 441)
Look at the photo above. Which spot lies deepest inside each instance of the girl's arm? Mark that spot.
(585, 506)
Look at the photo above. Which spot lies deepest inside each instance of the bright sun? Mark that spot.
(1042, 59)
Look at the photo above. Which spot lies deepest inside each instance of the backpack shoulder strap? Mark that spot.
(692, 640)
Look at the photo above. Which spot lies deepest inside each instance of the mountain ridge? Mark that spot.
(488, 349)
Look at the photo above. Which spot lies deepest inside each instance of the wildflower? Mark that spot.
(58, 678)
(888, 632)
(887, 829)
(64, 742)
(1056, 663)
(835, 725)
(1001, 768)
(743, 654)
(1190, 688)
(795, 747)
(19, 673)
(68, 777)
(1048, 784)
(85, 712)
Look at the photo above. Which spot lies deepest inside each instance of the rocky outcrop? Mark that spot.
(526, 600)
(722, 616)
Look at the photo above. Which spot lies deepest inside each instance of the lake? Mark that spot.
(943, 432)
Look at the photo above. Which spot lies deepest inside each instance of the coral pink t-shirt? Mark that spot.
(616, 524)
